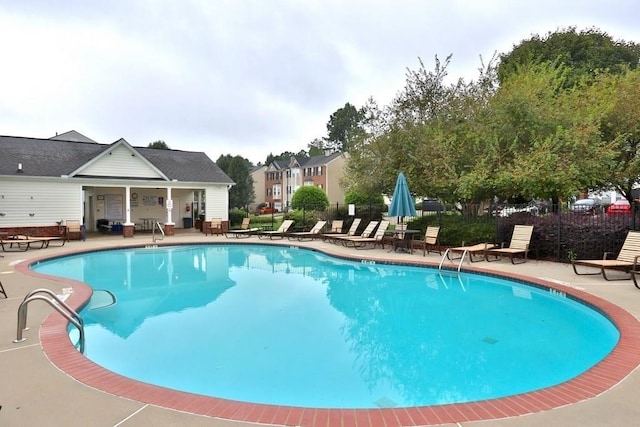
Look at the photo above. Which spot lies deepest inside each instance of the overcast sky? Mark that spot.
(248, 78)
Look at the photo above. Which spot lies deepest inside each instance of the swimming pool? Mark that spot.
(295, 327)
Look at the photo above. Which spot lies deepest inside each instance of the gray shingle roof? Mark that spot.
(55, 157)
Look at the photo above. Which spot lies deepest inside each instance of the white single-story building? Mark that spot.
(45, 182)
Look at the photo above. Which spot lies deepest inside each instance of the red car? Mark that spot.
(619, 207)
(267, 210)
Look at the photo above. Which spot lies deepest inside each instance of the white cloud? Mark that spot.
(247, 77)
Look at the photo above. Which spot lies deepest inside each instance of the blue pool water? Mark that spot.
(289, 326)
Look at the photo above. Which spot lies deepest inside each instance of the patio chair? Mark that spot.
(280, 233)
(2, 291)
(368, 242)
(332, 236)
(367, 232)
(519, 245)
(244, 231)
(626, 260)
(73, 228)
(213, 227)
(430, 241)
(308, 235)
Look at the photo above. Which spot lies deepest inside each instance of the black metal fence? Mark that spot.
(560, 234)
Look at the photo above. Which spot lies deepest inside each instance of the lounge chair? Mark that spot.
(430, 241)
(366, 233)
(626, 260)
(332, 236)
(244, 231)
(370, 242)
(280, 233)
(308, 235)
(336, 226)
(479, 249)
(22, 243)
(519, 245)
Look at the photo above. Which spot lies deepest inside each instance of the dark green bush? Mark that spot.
(456, 229)
(236, 216)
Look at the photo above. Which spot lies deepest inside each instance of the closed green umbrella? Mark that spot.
(402, 203)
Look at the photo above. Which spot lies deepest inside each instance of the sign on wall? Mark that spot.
(114, 207)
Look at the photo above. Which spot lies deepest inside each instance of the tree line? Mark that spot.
(556, 116)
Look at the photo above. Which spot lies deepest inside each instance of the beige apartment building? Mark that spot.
(276, 183)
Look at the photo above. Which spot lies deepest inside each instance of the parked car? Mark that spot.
(587, 207)
(530, 209)
(619, 207)
(267, 210)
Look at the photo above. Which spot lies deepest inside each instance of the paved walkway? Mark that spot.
(33, 392)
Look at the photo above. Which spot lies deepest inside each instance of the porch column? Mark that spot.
(128, 226)
(169, 225)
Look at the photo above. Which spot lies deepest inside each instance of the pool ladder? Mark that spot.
(446, 256)
(156, 224)
(54, 301)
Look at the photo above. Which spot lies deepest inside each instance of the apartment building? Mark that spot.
(282, 178)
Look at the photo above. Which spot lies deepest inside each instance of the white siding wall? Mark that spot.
(120, 162)
(49, 202)
(217, 202)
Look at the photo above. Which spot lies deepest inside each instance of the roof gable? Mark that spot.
(122, 160)
(72, 135)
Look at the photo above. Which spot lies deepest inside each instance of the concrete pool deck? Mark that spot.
(34, 391)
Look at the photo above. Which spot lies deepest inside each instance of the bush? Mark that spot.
(309, 195)
(304, 219)
(456, 229)
(236, 216)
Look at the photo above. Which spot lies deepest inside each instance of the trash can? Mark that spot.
(187, 222)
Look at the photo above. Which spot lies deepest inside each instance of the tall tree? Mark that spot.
(317, 147)
(344, 125)
(621, 126)
(587, 53)
(239, 170)
(284, 156)
(161, 145)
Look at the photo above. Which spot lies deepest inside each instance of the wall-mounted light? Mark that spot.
(19, 167)
(32, 214)
(2, 214)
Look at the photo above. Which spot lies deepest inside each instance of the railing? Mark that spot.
(446, 255)
(156, 224)
(55, 302)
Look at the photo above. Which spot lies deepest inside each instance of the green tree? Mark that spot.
(545, 138)
(317, 147)
(161, 145)
(587, 53)
(344, 125)
(621, 127)
(239, 170)
(309, 197)
(360, 198)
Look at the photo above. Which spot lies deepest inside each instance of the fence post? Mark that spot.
(559, 232)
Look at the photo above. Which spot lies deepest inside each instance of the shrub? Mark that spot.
(236, 216)
(309, 195)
